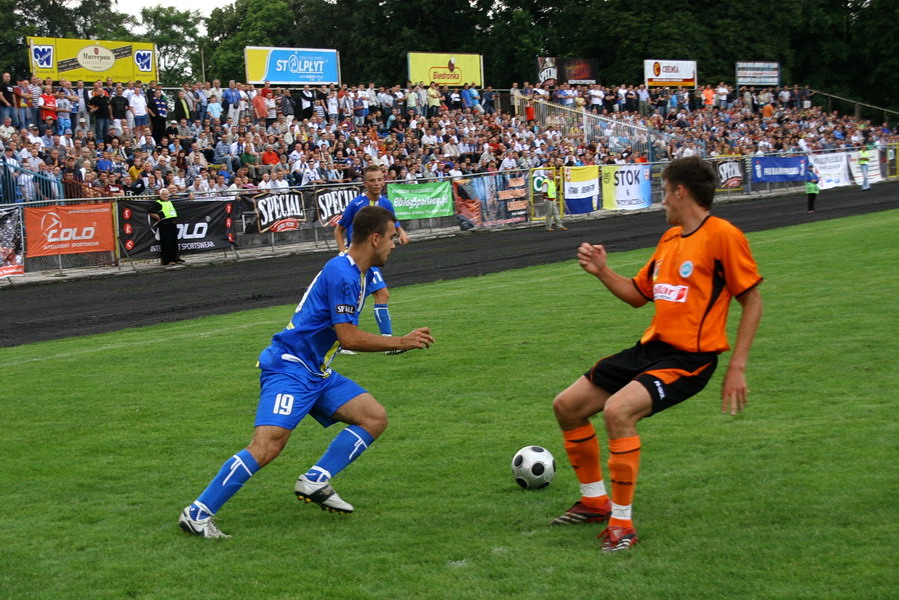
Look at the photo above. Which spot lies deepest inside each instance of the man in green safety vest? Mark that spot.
(864, 157)
(551, 202)
(165, 216)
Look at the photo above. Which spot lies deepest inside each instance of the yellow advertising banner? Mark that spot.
(90, 60)
(453, 70)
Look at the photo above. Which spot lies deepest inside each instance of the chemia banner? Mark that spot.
(286, 66)
(421, 201)
(90, 60)
(626, 187)
(453, 70)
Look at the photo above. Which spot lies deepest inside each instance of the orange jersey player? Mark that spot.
(699, 265)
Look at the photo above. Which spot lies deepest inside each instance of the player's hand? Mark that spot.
(592, 258)
(420, 339)
(734, 393)
(403, 237)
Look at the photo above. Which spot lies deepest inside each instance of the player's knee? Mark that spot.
(618, 417)
(566, 409)
(375, 420)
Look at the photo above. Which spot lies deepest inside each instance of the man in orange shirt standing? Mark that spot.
(698, 266)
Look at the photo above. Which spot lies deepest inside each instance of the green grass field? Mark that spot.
(107, 438)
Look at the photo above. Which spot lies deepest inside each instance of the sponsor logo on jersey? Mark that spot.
(346, 309)
(670, 293)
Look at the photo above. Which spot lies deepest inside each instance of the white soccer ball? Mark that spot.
(533, 467)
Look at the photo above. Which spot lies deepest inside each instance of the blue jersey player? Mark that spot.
(374, 185)
(297, 379)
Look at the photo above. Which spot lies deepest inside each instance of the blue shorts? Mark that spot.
(374, 281)
(290, 393)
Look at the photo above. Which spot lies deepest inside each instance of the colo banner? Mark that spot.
(287, 66)
(331, 202)
(658, 73)
(201, 226)
(12, 258)
(57, 229)
(874, 174)
(276, 212)
(730, 174)
(421, 201)
(582, 193)
(90, 60)
(833, 169)
(627, 187)
(775, 169)
(453, 70)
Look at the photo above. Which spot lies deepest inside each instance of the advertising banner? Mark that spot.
(452, 70)
(658, 73)
(576, 71)
(730, 174)
(582, 193)
(278, 212)
(12, 258)
(292, 66)
(421, 201)
(874, 174)
(56, 229)
(775, 169)
(833, 169)
(330, 203)
(490, 200)
(627, 187)
(90, 60)
(758, 73)
(201, 226)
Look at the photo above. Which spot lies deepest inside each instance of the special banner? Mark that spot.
(331, 202)
(627, 187)
(730, 174)
(453, 70)
(581, 189)
(12, 258)
(279, 212)
(57, 229)
(292, 66)
(832, 168)
(202, 226)
(575, 71)
(777, 169)
(90, 60)
(421, 201)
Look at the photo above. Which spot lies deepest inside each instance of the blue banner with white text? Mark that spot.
(774, 169)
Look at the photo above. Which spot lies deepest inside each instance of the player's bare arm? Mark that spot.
(402, 237)
(339, 233)
(593, 259)
(353, 338)
(734, 391)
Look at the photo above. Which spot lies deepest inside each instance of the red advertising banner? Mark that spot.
(52, 230)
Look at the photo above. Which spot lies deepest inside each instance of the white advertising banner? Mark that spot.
(874, 175)
(658, 73)
(833, 169)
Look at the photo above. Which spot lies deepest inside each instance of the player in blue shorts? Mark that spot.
(376, 286)
(297, 379)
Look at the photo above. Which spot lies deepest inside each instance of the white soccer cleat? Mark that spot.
(345, 351)
(322, 494)
(200, 527)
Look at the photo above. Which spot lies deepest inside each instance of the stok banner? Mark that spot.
(90, 60)
(283, 211)
(658, 73)
(421, 201)
(292, 66)
(52, 230)
(582, 194)
(627, 187)
(453, 70)
(776, 169)
(730, 174)
(12, 258)
(874, 174)
(201, 226)
(330, 203)
(832, 168)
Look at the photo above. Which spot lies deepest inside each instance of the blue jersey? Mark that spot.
(357, 204)
(336, 295)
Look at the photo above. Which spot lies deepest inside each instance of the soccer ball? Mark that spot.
(533, 467)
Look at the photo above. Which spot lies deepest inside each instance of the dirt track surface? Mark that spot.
(85, 306)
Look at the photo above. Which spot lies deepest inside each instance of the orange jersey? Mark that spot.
(691, 280)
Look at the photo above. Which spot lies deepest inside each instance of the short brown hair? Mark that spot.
(369, 220)
(695, 174)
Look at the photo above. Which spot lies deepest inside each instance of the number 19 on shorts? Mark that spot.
(283, 404)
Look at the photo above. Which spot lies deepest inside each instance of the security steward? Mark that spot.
(165, 216)
(551, 204)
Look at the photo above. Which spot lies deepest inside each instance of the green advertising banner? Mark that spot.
(422, 200)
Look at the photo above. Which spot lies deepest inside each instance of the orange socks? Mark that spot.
(583, 454)
(624, 464)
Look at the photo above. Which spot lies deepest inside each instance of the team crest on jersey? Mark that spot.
(686, 269)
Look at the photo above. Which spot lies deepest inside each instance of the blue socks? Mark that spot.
(343, 450)
(233, 474)
(382, 318)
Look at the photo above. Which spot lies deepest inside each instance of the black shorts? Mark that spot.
(670, 375)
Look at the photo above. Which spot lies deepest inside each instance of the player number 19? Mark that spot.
(283, 404)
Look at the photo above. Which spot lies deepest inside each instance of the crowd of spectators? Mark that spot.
(207, 139)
